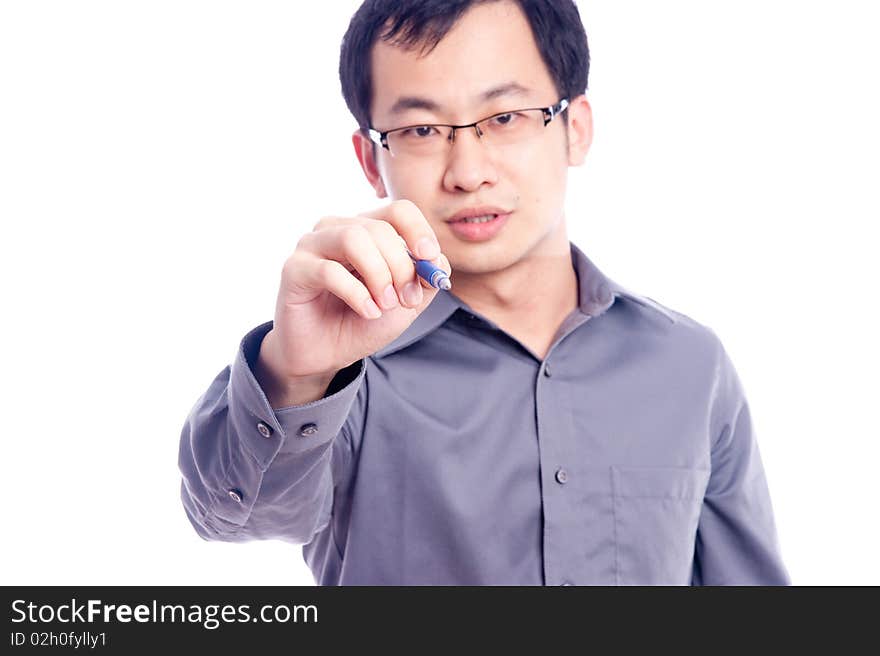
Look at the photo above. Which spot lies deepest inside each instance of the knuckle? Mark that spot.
(303, 242)
(292, 264)
(324, 270)
(326, 222)
(388, 231)
(353, 236)
(288, 267)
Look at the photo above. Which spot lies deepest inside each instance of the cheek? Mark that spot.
(538, 173)
(416, 188)
(545, 153)
(542, 196)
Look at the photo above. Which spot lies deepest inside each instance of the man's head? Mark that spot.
(450, 53)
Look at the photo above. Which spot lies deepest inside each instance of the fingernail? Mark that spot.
(412, 293)
(428, 248)
(371, 309)
(389, 297)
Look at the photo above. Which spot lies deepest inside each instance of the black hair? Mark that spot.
(556, 26)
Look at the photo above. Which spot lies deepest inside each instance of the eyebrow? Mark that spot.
(405, 103)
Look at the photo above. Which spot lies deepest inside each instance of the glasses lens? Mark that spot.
(512, 127)
(419, 141)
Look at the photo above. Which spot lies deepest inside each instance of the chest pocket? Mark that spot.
(656, 512)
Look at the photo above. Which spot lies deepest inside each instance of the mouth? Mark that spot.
(478, 214)
(485, 218)
(478, 228)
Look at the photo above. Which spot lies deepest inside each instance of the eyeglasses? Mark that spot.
(431, 139)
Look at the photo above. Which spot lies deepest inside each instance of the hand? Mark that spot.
(333, 291)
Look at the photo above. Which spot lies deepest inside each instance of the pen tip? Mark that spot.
(445, 283)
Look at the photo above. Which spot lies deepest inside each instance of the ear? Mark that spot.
(363, 148)
(580, 130)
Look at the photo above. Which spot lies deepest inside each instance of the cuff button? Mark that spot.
(308, 429)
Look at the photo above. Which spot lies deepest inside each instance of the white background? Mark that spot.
(159, 161)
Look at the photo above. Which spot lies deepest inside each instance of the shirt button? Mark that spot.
(308, 429)
(264, 429)
(561, 476)
(547, 370)
(235, 495)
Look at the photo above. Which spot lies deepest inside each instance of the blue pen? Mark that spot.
(434, 275)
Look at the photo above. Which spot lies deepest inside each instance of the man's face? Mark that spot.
(491, 45)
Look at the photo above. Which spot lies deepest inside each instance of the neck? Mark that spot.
(535, 294)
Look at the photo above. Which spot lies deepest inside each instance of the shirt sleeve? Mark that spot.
(737, 542)
(250, 472)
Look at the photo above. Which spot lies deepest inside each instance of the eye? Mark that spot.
(505, 119)
(419, 132)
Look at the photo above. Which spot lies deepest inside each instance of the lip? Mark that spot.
(481, 210)
(478, 231)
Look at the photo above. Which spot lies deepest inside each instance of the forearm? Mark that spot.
(252, 473)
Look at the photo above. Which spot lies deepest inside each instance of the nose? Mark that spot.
(470, 164)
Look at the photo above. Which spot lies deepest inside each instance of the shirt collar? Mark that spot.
(596, 293)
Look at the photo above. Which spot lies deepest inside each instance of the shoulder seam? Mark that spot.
(649, 302)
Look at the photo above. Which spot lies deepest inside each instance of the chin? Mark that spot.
(486, 258)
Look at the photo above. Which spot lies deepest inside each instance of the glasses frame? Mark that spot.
(381, 138)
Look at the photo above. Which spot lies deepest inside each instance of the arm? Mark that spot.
(238, 484)
(737, 543)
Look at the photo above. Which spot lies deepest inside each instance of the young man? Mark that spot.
(537, 423)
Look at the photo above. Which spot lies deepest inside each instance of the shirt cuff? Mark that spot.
(265, 432)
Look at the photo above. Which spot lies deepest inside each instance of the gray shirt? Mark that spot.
(455, 456)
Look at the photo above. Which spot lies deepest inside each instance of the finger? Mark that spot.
(409, 222)
(393, 249)
(321, 273)
(353, 244)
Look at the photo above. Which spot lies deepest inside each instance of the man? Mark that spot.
(537, 424)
